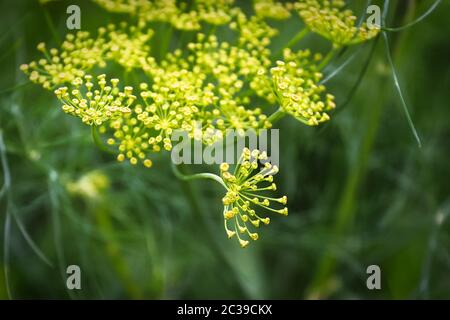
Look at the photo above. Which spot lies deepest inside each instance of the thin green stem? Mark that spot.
(277, 115)
(360, 77)
(7, 227)
(113, 248)
(51, 26)
(340, 67)
(18, 86)
(299, 36)
(347, 207)
(204, 175)
(399, 90)
(98, 141)
(11, 49)
(328, 58)
(418, 20)
(191, 193)
(165, 44)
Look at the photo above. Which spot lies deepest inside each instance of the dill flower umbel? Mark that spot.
(332, 21)
(95, 104)
(78, 53)
(296, 84)
(222, 73)
(211, 86)
(272, 9)
(128, 45)
(254, 32)
(170, 105)
(132, 139)
(179, 14)
(245, 195)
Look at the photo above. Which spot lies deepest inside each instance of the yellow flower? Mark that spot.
(296, 85)
(170, 105)
(245, 195)
(239, 118)
(332, 21)
(132, 139)
(179, 15)
(90, 185)
(205, 90)
(95, 104)
(272, 9)
(254, 32)
(78, 54)
(128, 45)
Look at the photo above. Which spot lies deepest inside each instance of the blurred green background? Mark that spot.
(360, 190)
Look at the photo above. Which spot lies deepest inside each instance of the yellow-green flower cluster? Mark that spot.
(254, 32)
(122, 6)
(131, 138)
(128, 51)
(208, 88)
(272, 9)
(215, 12)
(179, 14)
(239, 118)
(95, 103)
(90, 185)
(333, 21)
(205, 87)
(220, 102)
(296, 85)
(80, 53)
(245, 195)
(232, 67)
(172, 104)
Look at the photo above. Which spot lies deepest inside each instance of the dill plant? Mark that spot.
(221, 84)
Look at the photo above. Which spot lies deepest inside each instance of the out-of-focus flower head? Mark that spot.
(272, 9)
(90, 185)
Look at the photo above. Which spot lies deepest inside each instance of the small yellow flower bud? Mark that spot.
(41, 46)
(133, 161)
(230, 234)
(148, 163)
(254, 236)
(243, 243)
